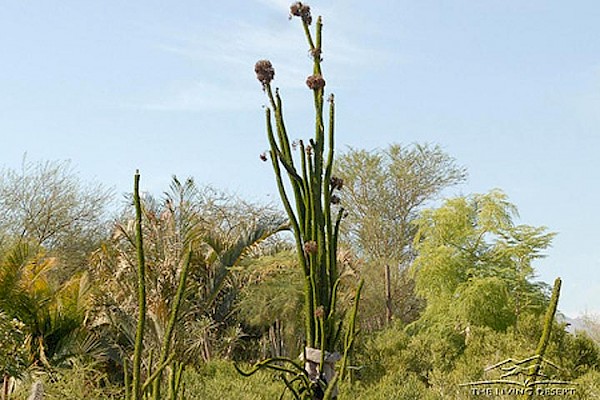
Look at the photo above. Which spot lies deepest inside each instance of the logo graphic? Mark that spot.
(532, 375)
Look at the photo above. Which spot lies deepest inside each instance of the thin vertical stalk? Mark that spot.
(308, 35)
(285, 153)
(330, 239)
(141, 275)
(306, 185)
(351, 333)
(388, 295)
(175, 380)
(286, 203)
(126, 380)
(545, 339)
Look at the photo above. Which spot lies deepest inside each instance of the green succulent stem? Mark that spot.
(545, 338)
(315, 229)
(157, 371)
(351, 333)
(126, 380)
(308, 35)
(175, 380)
(136, 391)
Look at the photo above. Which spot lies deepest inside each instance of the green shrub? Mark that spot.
(588, 386)
(219, 379)
(70, 384)
(393, 386)
(13, 352)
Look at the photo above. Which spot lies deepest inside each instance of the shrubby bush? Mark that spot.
(13, 352)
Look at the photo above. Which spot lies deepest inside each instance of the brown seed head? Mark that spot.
(263, 156)
(264, 71)
(310, 247)
(308, 150)
(295, 9)
(336, 183)
(315, 82)
(298, 9)
(335, 199)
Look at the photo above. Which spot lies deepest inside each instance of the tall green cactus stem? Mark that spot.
(155, 372)
(545, 339)
(313, 219)
(314, 229)
(136, 389)
(351, 332)
(175, 380)
(136, 392)
(126, 380)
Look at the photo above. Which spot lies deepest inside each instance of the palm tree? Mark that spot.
(52, 316)
(218, 231)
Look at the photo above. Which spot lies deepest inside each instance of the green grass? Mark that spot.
(219, 380)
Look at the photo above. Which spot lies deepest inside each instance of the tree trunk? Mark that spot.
(388, 295)
(276, 339)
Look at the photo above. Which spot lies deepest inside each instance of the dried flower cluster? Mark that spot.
(308, 150)
(335, 199)
(264, 71)
(310, 247)
(336, 183)
(301, 10)
(315, 82)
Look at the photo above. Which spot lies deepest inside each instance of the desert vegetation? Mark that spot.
(366, 281)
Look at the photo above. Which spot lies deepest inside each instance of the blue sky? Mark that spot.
(510, 88)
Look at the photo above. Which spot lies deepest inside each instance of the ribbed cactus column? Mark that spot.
(139, 389)
(545, 339)
(136, 391)
(311, 209)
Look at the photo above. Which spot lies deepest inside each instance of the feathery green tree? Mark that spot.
(475, 265)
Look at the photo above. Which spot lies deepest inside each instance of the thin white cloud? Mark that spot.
(202, 96)
(226, 55)
(232, 53)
